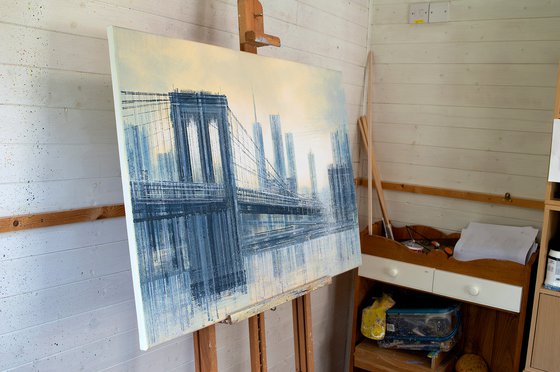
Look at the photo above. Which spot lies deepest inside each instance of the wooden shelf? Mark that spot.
(553, 204)
(554, 207)
(371, 357)
(543, 339)
(549, 292)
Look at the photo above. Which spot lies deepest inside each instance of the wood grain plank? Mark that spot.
(40, 48)
(460, 208)
(530, 143)
(92, 18)
(506, 356)
(58, 162)
(350, 11)
(466, 195)
(326, 23)
(43, 197)
(58, 218)
(515, 97)
(205, 349)
(470, 52)
(44, 125)
(476, 339)
(31, 86)
(388, 12)
(447, 219)
(465, 159)
(56, 303)
(317, 43)
(479, 182)
(120, 352)
(35, 273)
(474, 30)
(257, 343)
(26, 243)
(156, 358)
(27, 345)
(533, 75)
(465, 117)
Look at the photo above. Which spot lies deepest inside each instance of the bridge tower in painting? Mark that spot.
(204, 150)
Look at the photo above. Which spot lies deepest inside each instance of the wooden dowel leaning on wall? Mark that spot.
(369, 149)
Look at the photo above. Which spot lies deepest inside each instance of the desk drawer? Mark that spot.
(397, 272)
(480, 291)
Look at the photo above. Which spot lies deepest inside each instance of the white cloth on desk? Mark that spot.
(480, 240)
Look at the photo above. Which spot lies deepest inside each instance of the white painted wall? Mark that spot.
(465, 105)
(66, 299)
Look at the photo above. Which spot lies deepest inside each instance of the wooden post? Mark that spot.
(251, 27)
(252, 36)
(205, 355)
(303, 334)
(257, 343)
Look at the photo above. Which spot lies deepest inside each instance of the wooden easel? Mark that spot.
(251, 37)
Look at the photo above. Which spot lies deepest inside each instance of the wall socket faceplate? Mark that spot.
(439, 12)
(418, 13)
(428, 12)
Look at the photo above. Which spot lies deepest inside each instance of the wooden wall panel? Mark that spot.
(66, 291)
(465, 104)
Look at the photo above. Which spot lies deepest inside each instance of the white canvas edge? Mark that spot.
(125, 177)
(554, 167)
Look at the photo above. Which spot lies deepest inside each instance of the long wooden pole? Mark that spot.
(364, 129)
(369, 150)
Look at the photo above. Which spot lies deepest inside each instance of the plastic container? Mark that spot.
(552, 280)
(430, 322)
(422, 329)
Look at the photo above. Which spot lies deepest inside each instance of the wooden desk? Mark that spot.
(494, 295)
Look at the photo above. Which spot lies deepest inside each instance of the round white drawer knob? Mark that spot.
(393, 272)
(473, 291)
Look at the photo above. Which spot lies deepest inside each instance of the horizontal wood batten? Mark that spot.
(458, 194)
(46, 219)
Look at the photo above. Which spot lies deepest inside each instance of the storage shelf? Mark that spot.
(553, 202)
(549, 292)
(505, 328)
(553, 205)
(371, 357)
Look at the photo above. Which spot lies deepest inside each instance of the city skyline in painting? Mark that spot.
(225, 209)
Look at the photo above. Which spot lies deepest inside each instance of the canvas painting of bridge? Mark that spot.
(237, 179)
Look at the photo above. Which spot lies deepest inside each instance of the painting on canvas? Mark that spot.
(237, 178)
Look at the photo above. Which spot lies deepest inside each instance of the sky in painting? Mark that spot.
(302, 95)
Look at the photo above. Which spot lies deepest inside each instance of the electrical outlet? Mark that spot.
(439, 12)
(418, 13)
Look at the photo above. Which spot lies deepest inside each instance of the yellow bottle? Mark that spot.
(373, 317)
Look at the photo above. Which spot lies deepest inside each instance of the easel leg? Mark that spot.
(257, 343)
(205, 356)
(303, 334)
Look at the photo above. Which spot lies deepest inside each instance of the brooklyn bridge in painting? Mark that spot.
(218, 224)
